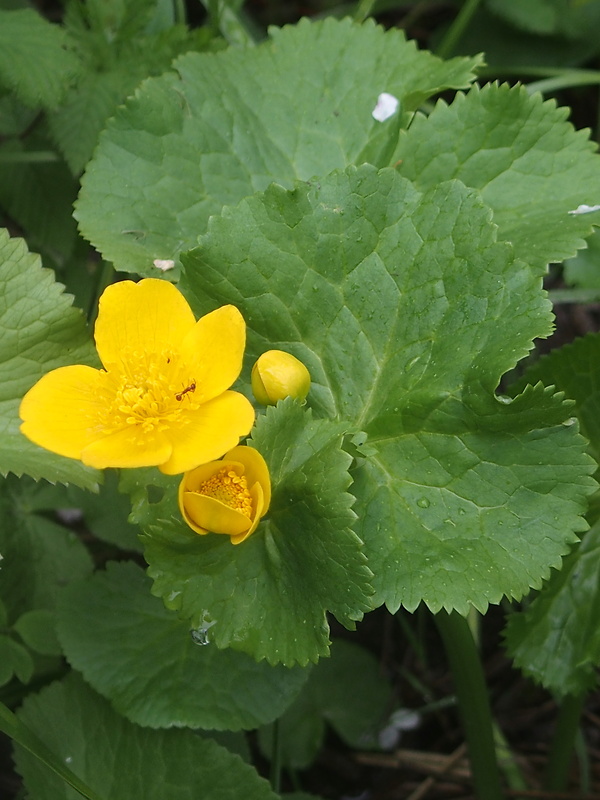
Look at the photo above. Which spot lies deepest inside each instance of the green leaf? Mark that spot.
(14, 660)
(537, 16)
(106, 513)
(407, 313)
(269, 595)
(575, 370)
(39, 557)
(228, 124)
(39, 331)
(108, 80)
(34, 61)
(562, 18)
(121, 761)
(142, 658)
(508, 47)
(346, 690)
(39, 197)
(530, 165)
(556, 640)
(584, 270)
(37, 629)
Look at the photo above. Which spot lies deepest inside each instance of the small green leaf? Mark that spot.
(39, 331)
(37, 629)
(530, 165)
(348, 691)
(121, 761)
(142, 658)
(269, 595)
(34, 61)
(14, 660)
(407, 312)
(556, 640)
(228, 124)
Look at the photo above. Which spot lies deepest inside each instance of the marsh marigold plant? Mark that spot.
(162, 398)
(227, 496)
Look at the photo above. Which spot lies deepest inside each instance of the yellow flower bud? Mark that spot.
(277, 375)
(227, 496)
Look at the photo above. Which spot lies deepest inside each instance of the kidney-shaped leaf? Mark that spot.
(225, 125)
(407, 312)
(141, 656)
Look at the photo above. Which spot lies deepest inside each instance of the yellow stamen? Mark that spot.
(146, 392)
(229, 488)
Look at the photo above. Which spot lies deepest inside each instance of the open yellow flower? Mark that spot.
(161, 399)
(227, 496)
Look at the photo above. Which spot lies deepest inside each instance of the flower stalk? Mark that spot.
(473, 703)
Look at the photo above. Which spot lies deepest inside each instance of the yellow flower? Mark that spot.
(161, 399)
(277, 375)
(228, 496)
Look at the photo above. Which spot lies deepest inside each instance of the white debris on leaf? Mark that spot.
(163, 264)
(386, 107)
(583, 209)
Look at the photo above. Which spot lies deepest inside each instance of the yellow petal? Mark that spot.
(211, 515)
(255, 470)
(259, 510)
(62, 410)
(214, 349)
(212, 429)
(147, 317)
(128, 448)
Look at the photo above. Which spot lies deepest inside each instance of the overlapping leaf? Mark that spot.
(225, 125)
(34, 61)
(346, 690)
(141, 656)
(39, 556)
(407, 313)
(584, 270)
(269, 595)
(120, 760)
(575, 370)
(40, 331)
(530, 165)
(556, 640)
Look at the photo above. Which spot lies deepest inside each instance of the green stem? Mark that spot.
(458, 27)
(275, 776)
(20, 733)
(563, 743)
(558, 296)
(363, 10)
(567, 81)
(473, 703)
(29, 157)
(233, 26)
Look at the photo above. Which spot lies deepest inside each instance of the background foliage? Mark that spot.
(439, 465)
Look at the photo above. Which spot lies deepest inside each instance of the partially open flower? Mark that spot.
(227, 496)
(277, 375)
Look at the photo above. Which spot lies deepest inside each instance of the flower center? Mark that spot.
(229, 488)
(149, 390)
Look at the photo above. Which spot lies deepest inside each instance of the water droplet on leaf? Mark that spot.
(423, 502)
(200, 636)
